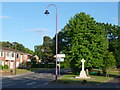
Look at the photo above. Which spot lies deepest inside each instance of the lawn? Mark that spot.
(20, 71)
(36, 69)
(70, 79)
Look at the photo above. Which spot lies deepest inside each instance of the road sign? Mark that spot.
(60, 55)
(60, 59)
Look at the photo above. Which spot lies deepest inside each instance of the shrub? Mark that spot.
(1, 67)
(84, 82)
(6, 67)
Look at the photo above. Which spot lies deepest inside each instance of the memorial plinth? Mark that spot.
(82, 72)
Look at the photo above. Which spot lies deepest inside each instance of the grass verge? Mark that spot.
(70, 79)
(20, 71)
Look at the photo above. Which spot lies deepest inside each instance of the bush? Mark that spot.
(51, 65)
(84, 82)
(5, 66)
(1, 67)
(24, 65)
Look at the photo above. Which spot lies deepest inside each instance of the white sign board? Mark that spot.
(60, 55)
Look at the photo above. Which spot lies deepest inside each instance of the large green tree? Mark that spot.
(81, 38)
(113, 35)
(45, 51)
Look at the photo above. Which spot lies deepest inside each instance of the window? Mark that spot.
(1, 54)
(12, 54)
(25, 56)
(17, 55)
(8, 54)
(1, 62)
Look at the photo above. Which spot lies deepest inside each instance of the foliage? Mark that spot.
(1, 67)
(5, 66)
(45, 51)
(17, 46)
(84, 81)
(33, 62)
(83, 37)
(109, 60)
(113, 34)
(25, 65)
(38, 51)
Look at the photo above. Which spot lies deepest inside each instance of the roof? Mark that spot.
(13, 50)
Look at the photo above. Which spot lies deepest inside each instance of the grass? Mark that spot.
(70, 79)
(36, 69)
(21, 71)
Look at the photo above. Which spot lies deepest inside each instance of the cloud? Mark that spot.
(5, 17)
(40, 31)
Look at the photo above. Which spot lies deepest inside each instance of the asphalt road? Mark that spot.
(34, 80)
(43, 78)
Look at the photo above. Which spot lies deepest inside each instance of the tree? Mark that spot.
(45, 51)
(39, 51)
(17, 46)
(114, 41)
(81, 38)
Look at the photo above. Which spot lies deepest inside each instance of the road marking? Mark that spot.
(26, 81)
(31, 83)
(9, 84)
(49, 74)
(3, 82)
(118, 87)
(41, 85)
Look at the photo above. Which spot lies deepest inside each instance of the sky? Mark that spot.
(26, 23)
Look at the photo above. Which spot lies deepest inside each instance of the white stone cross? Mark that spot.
(82, 64)
(82, 72)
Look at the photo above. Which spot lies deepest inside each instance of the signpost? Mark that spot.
(60, 59)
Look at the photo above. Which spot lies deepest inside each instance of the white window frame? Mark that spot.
(1, 54)
(8, 54)
(25, 56)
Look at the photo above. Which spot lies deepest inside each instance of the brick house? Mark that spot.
(7, 57)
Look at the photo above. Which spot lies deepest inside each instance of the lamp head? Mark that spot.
(46, 12)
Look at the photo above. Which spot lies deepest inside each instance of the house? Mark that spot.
(12, 57)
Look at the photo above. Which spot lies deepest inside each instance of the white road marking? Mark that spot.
(118, 87)
(3, 82)
(41, 85)
(31, 83)
(26, 81)
(49, 74)
(9, 84)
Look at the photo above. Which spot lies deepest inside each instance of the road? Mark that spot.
(35, 80)
(27, 81)
(43, 78)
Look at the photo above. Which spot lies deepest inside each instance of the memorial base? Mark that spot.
(83, 75)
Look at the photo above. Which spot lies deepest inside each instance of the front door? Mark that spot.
(20, 58)
(11, 64)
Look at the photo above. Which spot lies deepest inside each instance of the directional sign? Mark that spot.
(60, 59)
(60, 55)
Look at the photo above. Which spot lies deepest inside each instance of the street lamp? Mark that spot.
(46, 12)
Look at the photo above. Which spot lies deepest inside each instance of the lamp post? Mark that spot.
(46, 12)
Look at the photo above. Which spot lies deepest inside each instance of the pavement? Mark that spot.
(3, 76)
